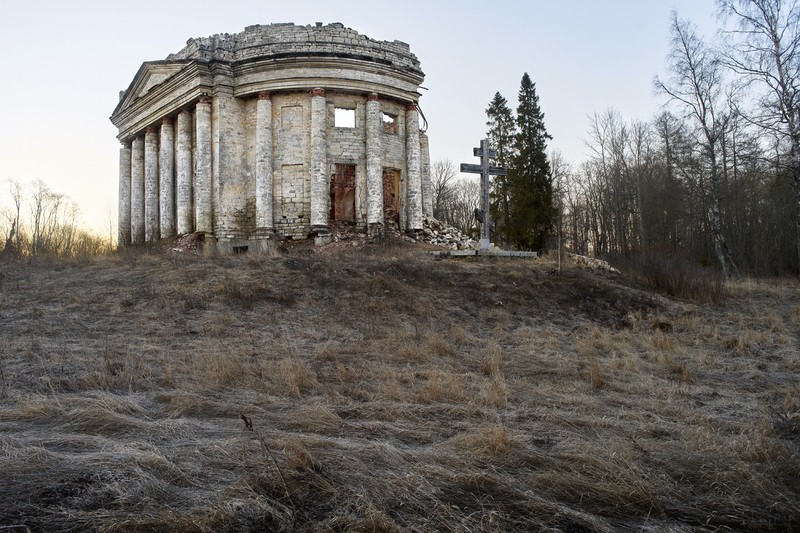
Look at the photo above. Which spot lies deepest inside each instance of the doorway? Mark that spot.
(391, 194)
(343, 194)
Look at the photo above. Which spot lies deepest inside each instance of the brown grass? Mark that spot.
(391, 391)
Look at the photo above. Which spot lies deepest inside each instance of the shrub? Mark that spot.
(675, 276)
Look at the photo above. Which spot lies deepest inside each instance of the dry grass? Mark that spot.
(390, 391)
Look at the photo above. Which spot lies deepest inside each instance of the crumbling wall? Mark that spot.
(282, 40)
(291, 124)
(347, 146)
(223, 165)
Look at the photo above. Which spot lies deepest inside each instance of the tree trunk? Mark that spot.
(794, 135)
(720, 246)
(796, 184)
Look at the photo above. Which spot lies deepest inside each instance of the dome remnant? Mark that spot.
(275, 132)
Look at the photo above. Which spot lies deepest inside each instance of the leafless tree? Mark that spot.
(764, 48)
(697, 84)
(13, 244)
(466, 197)
(45, 223)
(560, 174)
(443, 175)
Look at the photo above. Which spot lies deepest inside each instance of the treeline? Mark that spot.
(713, 182)
(646, 189)
(41, 223)
(717, 179)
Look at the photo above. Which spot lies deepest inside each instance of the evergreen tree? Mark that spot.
(530, 183)
(502, 129)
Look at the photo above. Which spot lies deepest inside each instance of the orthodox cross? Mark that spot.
(485, 170)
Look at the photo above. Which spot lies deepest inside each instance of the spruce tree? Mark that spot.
(530, 183)
(502, 129)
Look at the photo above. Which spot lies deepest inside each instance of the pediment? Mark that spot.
(150, 75)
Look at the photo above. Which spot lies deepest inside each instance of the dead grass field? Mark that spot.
(391, 391)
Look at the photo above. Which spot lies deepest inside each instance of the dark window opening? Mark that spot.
(240, 249)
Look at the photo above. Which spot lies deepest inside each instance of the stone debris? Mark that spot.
(433, 232)
(593, 263)
(343, 235)
(185, 243)
(440, 234)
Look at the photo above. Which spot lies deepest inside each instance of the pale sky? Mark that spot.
(63, 64)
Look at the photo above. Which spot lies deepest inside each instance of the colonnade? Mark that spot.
(165, 185)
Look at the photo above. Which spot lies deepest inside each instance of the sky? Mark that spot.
(63, 64)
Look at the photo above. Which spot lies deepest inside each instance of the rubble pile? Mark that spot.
(433, 232)
(186, 243)
(592, 263)
(440, 234)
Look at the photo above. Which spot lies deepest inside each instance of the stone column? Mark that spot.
(137, 190)
(151, 232)
(264, 222)
(202, 190)
(166, 179)
(414, 205)
(425, 171)
(319, 163)
(124, 213)
(183, 153)
(374, 167)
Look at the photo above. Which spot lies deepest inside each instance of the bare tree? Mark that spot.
(466, 197)
(697, 84)
(559, 172)
(765, 50)
(443, 175)
(13, 244)
(45, 209)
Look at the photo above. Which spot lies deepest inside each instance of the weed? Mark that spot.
(596, 377)
(494, 359)
(495, 392)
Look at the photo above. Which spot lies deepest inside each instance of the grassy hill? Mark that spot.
(391, 391)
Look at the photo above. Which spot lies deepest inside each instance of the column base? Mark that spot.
(376, 229)
(321, 235)
(263, 241)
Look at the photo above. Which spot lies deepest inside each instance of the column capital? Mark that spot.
(412, 106)
(167, 121)
(204, 99)
(318, 92)
(125, 145)
(372, 97)
(263, 95)
(150, 129)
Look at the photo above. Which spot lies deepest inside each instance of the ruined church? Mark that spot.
(280, 131)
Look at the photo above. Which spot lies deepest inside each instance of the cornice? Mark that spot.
(307, 72)
(289, 72)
